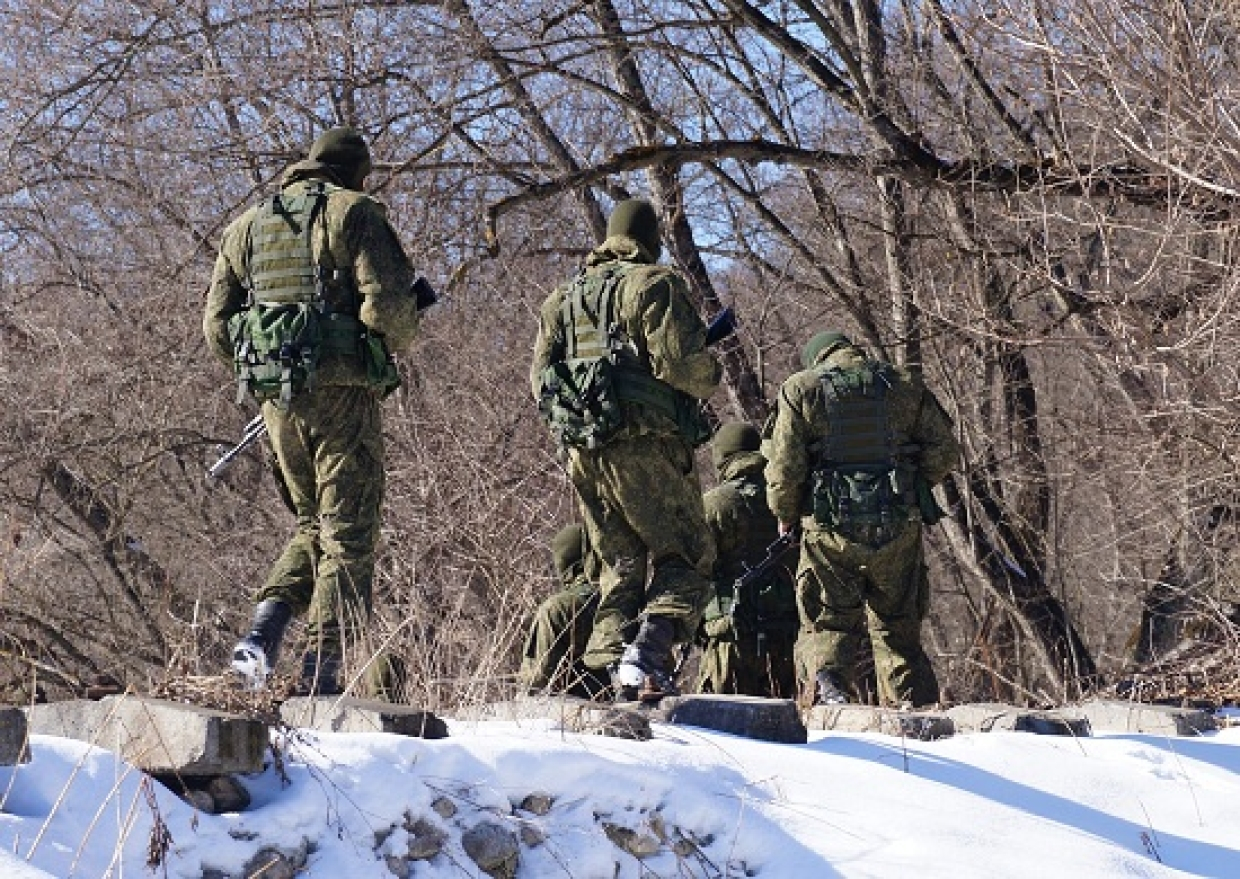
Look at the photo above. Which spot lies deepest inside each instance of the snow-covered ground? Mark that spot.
(843, 805)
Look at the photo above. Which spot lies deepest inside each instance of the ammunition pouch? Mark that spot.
(577, 399)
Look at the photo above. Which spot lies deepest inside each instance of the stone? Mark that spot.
(619, 723)
(494, 848)
(639, 845)
(228, 793)
(920, 725)
(444, 807)
(988, 716)
(270, 863)
(1135, 717)
(767, 720)
(13, 735)
(349, 714)
(426, 840)
(398, 867)
(537, 803)
(157, 736)
(531, 835)
(200, 800)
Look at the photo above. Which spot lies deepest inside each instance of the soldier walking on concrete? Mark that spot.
(620, 367)
(562, 623)
(311, 294)
(856, 446)
(750, 622)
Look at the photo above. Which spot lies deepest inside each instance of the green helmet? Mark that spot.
(823, 342)
(732, 438)
(636, 218)
(568, 548)
(344, 152)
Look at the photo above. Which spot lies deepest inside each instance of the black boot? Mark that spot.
(320, 672)
(254, 656)
(645, 670)
(830, 689)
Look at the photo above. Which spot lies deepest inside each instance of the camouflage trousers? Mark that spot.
(845, 589)
(557, 639)
(329, 445)
(641, 505)
(749, 663)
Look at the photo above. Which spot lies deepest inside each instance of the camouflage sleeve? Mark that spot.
(383, 273)
(226, 295)
(721, 528)
(935, 433)
(676, 337)
(549, 344)
(788, 460)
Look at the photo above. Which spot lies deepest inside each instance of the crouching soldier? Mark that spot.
(557, 638)
(750, 622)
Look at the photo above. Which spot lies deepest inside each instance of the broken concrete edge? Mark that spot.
(158, 736)
(351, 714)
(14, 737)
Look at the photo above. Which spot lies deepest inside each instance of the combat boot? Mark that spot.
(645, 670)
(830, 689)
(254, 656)
(320, 672)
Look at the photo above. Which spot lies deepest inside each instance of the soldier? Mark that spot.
(562, 623)
(620, 367)
(854, 450)
(749, 637)
(311, 293)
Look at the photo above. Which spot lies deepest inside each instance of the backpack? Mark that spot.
(861, 488)
(279, 338)
(580, 396)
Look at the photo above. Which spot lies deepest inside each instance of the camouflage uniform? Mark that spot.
(640, 499)
(748, 651)
(562, 623)
(329, 441)
(842, 582)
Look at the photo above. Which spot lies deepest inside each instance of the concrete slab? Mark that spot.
(158, 736)
(349, 714)
(1134, 717)
(920, 725)
(768, 720)
(993, 716)
(13, 730)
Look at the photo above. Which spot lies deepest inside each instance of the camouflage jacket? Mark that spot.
(917, 419)
(356, 233)
(654, 311)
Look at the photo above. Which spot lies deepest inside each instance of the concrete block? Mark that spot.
(573, 715)
(349, 714)
(988, 716)
(768, 720)
(158, 736)
(1134, 717)
(13, 729)
(920, 725)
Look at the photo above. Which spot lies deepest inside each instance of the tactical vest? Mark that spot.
(298, 306)
(581, 395)
(862, 488)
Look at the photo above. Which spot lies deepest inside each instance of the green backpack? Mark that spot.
(280, 337)
(861, 489)
(580, 396)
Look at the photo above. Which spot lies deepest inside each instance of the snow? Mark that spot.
(996, 804)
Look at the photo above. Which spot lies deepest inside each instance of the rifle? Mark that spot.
(254, 430)
(774, 553)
